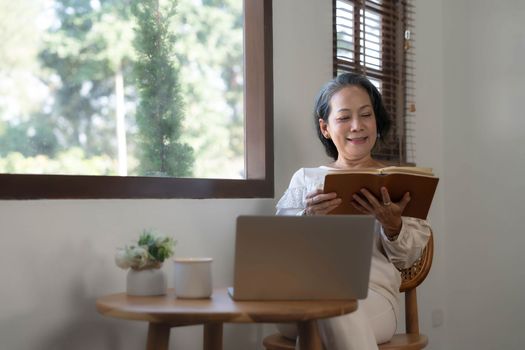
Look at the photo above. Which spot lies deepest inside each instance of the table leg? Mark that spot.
(158, 336)
(309, 338)
(212, 336)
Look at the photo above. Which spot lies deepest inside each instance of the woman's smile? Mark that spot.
(358, 140)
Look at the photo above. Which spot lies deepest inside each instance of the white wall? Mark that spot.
(302, 64)
(484, 161)
(429, 140)
(470, 91)
(57, 256)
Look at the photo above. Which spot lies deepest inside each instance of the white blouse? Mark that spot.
(386, 255)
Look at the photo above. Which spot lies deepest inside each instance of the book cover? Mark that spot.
(419, 182)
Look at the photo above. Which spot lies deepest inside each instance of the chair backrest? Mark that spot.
(411, 278)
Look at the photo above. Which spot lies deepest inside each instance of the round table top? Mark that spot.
(219, 308)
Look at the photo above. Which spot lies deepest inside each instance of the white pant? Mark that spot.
(373, 323)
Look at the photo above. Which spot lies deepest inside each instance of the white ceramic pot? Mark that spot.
(146, 282)
(192, 278)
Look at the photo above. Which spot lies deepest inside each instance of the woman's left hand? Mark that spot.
(386, 212)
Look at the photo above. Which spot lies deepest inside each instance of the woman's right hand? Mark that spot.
(319, 203)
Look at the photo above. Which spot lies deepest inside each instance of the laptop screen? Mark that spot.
(302, 257)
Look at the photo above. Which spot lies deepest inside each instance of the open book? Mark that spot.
(419, 182)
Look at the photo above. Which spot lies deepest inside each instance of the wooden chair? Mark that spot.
(412, 339)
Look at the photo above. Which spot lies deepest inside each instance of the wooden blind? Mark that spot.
(375, 38)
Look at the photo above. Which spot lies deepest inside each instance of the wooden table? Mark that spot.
(164, 312)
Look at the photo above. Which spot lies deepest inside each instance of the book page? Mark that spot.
(356, 171)
(407, 170)
(386, 170)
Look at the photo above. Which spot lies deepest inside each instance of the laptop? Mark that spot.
(302, 257)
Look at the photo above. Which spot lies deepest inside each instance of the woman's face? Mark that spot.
(351, 124)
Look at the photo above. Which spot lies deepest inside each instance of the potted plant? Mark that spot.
(144, 261)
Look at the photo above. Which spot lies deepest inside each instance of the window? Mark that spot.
(375, 38)
(257, 105)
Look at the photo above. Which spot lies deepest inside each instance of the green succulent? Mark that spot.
(150, 252)
(159, 248)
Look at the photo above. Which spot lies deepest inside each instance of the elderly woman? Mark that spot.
(350, 118)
